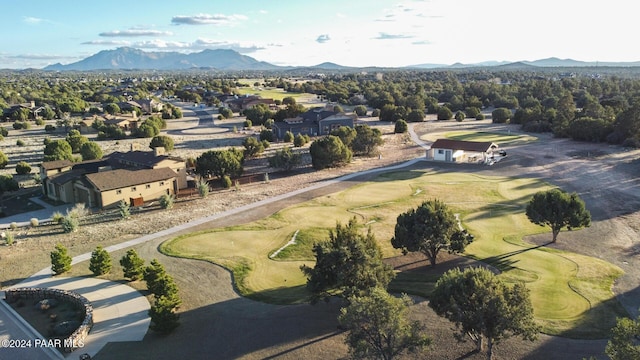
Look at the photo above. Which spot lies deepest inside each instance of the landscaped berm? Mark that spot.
(571, 293)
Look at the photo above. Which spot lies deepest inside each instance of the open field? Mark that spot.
(571, 293)
(501, 139)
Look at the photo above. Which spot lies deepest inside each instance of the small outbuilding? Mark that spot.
(459, 151)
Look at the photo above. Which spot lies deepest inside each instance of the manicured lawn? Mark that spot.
(570, 293)
(273, 93)
(501, 139)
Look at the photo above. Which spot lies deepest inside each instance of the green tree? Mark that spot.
(23, 168)
(380, 328)
(58, 150)
(558, 209)
(500, 115)
(288, 137)
(346, 134)
(258, 114)
(163, 317)
(266, 134)
(4, 160)
(429, 229)
(349, 263)
(220, 163)
(225, 112)
(444, 113)
(415, 116)
(91, 151)
(162, 141)
(460, 115)
(360, 110)
(285, 159)
(76, 140)
(623, 344)
(252, 147)
(166, 201)
(60, 260)
(147, 130)
(21, 114)
(48, 113)
(112, 108)
(366, 141)
(100, 262)
(289, 100)
(300, 140)
(132, 265)
(401, 127)
(484, 308)
(329, 151)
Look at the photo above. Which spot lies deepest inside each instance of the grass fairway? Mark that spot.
(571, 293)
(273, 93)
(501, 139)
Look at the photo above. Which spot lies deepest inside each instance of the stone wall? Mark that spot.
(76, 339)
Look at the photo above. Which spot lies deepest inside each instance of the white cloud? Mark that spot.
(386, 36)
(207, 19)
(135, 32)
(107, 42)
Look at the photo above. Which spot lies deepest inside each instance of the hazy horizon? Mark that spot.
(305, 33)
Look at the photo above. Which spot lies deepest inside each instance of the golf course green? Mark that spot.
(571, 293)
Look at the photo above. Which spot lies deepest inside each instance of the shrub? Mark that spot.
(375, 113)
(203, 188)
(329, 152)
(247, 124)
(401, 127)
(13, 225)
(70, 224)
(266, 135)
(285, 159)
(49, 128)
(23, 168)
(34, 222)
(300, 140)
(444, 113)
(4, 131)
(9, 238)
(124, 209)
(288, 137)
(480, 116)
(100, 262)
(57, 217)
(360, 110)
(4, 160)
(166, 201)
(460, 116)
(132, 265)
(20, 142)
(60, 260)
(226, 182)
(39, 121)
(162, 141)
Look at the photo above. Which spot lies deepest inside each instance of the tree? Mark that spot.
(162, 141)
(500, 115)
(444, 113)
(124, 209)
(76, 140)
(152, 274)
(300, 140)
(558, 209)
(258, 114)
(60, 260)
(4, 160)
(91, 151)
(147, 130)
(624, 344)
(429, 229)
(349, 263)
(329, 151)
(415, 116)
(163, 317)
(285, 159)
(401, 127)
(460, 115)
(23, 168)
(220, 163)
(58, 150)
(112, 108)
(483, 308)
(288, 137)
(132, 265)
(346, 134)
(366, 141)
(360, 110)
(380, 328)
(252, 147)
(100, 262)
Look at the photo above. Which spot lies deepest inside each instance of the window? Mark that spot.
(118, 191)
(148, 186)
(161, 183)
(440, 151)
(133, 188)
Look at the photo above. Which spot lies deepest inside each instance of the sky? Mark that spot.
(386, 33)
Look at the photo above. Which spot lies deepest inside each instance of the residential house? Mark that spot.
(134, 177)
(459, 151)
(150, 106)
(314, 122)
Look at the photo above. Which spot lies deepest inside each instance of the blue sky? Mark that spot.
(36, 33)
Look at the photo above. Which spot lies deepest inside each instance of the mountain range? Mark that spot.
(126, 58)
